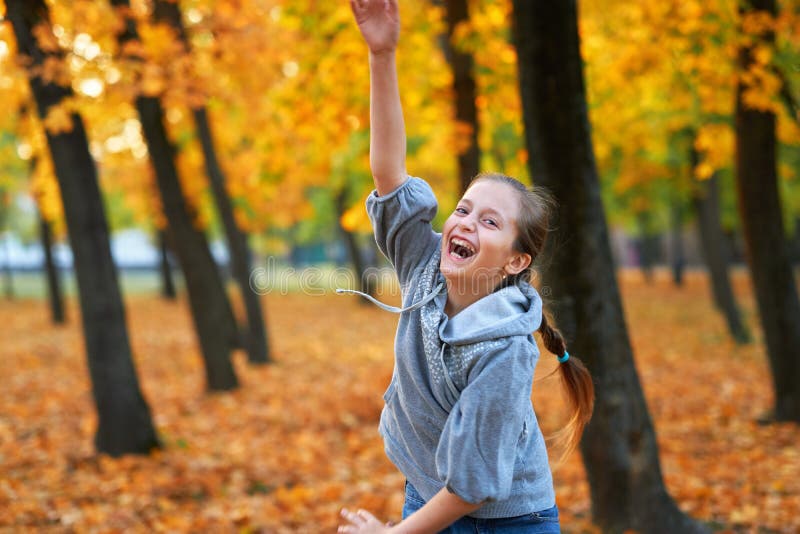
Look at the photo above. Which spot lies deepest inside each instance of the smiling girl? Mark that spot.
(458, 420)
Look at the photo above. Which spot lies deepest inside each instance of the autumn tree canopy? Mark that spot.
(284, 84)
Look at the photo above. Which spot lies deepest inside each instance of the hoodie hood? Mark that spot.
(514, 310)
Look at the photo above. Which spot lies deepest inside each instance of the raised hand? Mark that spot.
(379, 22)
(363, 522)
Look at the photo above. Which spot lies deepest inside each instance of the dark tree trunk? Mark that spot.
(366, 283)
(256, 336)
(619, 446)
(165, 268)
(463, 66)
(124, 422)
(767, 250)
(53, 279)
(647, 245)
(706, 201)
(211, 310)
(794, 242)
(678, 259)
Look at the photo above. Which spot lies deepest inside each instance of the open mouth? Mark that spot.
(461, 249)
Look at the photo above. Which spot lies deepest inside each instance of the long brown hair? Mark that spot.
(536, 207)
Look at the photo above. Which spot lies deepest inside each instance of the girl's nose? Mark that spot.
(467, 224)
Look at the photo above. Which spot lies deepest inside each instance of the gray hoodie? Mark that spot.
(458, 412)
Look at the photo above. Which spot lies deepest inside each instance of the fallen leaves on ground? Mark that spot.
(299, 439)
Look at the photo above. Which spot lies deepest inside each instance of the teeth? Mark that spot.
(462, 243)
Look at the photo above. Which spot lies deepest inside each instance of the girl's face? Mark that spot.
(478, 237)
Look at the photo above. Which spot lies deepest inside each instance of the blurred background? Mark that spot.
(182, 186)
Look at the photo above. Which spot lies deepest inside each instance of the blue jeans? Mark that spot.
(543, 522)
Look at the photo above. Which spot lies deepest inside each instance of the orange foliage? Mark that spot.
(299, 439)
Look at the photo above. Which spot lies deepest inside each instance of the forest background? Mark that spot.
(283, 86)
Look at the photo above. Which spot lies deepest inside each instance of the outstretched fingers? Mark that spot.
(357, 521)
(361, 522)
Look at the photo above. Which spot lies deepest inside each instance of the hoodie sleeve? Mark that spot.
(401, 221)
(477, 450)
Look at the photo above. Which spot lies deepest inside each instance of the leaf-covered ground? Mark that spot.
(299, 439)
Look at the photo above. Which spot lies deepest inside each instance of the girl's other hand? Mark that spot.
(363, 522)
(379, 22)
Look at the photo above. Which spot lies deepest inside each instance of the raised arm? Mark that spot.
(379, 23)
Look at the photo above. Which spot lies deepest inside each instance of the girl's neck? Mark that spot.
(458, 298)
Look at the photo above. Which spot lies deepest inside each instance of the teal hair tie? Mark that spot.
(564, 358)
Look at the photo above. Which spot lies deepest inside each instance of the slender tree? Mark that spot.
(706, 202)
(619, 446)
(165, 268)
(647, 244)
(124, 422)
(767, 249)
(677, 256)
(54, 290)
(212, 314)
(239, 252)
(466, 113)
(367, 284)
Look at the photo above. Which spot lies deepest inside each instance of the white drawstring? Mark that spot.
(394, 309)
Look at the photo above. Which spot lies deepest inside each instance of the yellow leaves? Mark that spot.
(756, 23)
(55, 70)
(704, 170)
(43, 33)
(355, 219)
(298, 441)
(153, 81)
(160, 42)
(59, 117)
(715, 144)
(788, 130)
(636, 172)
(746, 514)
(762, 54)
(462, 137)
(761, 88)
(45, 191)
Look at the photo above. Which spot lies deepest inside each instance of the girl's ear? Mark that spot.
(517, 263)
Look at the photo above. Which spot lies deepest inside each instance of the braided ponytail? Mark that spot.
(536, 207)
(579, 388)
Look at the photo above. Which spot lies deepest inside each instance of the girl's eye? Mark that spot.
(491, 221)
(461, 210)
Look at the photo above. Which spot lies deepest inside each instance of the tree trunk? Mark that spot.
(619, 446)
(53, 279)
(256, 336)
(211, 310)
(209, 303)
(463, 66)
(124, 422)
(676, 243)
(706, 202)
(647, 245)
(165, 268)
(767, 251)
(794, 243)
(366, 283)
